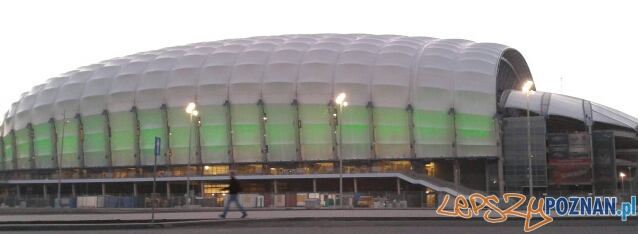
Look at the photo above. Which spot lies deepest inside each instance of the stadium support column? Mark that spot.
(262, 130)
(73, 193)
(499, 134)
(410, 111)
(54, 144)
(588, 112)
(14, 150)
(333, 128)
(136, 136)
(229, 132)
(167, 142)
(297, 128)
(31, 146)
(134, 189)
(107, 131)
(80, 141)
(456, 165)
(198, 145)
(45, 192)
(2, 158)
(103, 189)
(370, 107)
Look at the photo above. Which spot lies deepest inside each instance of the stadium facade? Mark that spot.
(422, 114)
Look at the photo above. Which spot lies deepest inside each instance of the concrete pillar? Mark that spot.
(73, 194)
(18, 191)
(201, 185)
(168, 190)
(103, 188)
(275, 186)
(314, 185)
(355, 185)
(135, 189)
(457, 172)
(398, 186)
(45, 191)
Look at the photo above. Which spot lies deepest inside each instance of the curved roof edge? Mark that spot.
(544, 103)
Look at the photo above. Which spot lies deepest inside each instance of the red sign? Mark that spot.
(570, 173)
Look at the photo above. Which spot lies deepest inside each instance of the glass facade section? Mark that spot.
(280, 132)
(433, 134)
(8, 151)
(43, 146)
(123, 139)
(213, 134)
(68, 148)
(22, 141)
(356, 133)
(179, 122)
(246, 138)
(475, 135)
(391, 133)
(95, 140)
(151, 126)
(315, 134)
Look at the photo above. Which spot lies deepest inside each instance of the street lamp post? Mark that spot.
(527, 89)
(630, 181)
(340, 101)
(190, 109)
(60, 160)
(622, 184)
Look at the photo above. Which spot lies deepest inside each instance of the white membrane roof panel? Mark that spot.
(386, 70)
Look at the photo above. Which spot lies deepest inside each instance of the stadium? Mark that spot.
(421, 117)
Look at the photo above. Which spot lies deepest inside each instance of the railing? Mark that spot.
(369, 199)
(169, 174)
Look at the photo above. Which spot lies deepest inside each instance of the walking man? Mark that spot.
(233, 188)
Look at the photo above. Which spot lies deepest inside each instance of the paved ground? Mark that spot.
(205, 218)
(366, 226)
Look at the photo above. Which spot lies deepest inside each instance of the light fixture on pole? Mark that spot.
(64, 121)
(527, 89)
(341, 102)
(190, 109)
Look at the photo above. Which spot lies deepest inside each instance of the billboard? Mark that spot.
(579, 148)
(557, 147)
(569, 158)
(570, 173)
(604, 161)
